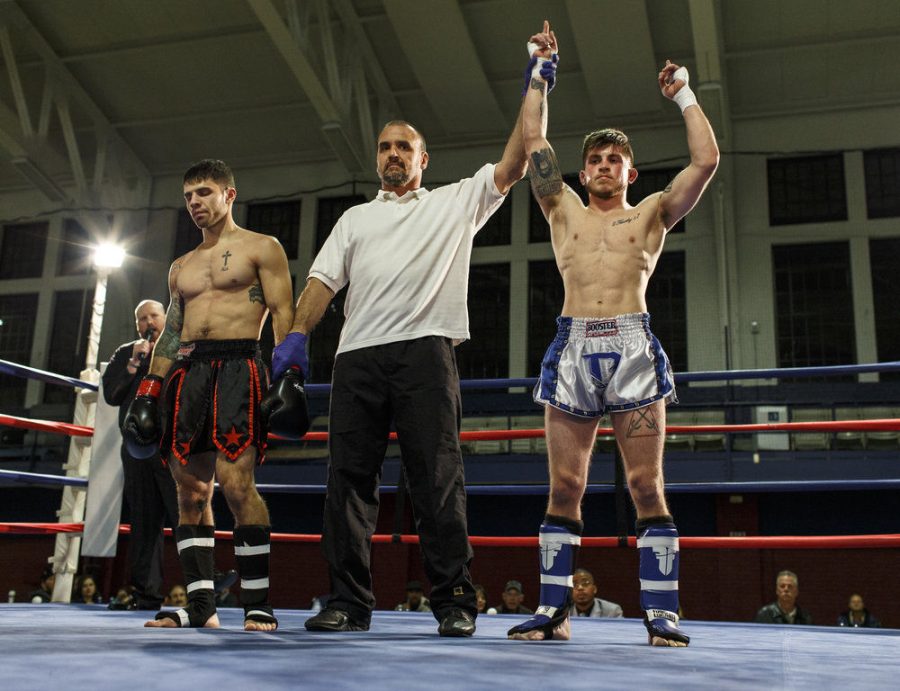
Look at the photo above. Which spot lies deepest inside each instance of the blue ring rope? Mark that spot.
(14, 369)
(539, 489)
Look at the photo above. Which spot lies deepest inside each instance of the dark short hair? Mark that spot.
(616, 138)
(404, 123)
(210, 169)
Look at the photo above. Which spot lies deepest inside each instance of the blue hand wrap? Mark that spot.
(658, 551)
(290, 353)
(548, 72)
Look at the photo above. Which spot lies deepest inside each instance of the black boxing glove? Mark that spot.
(141, 427)
(283, 408)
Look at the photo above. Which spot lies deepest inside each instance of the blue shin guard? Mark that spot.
(658, 549)
(559, 539)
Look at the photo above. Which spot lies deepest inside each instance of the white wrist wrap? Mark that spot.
(536, 70)
(684, 97)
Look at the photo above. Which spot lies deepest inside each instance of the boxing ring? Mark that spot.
(88, 646)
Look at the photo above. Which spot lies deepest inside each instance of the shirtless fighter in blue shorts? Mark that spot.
(604, 358)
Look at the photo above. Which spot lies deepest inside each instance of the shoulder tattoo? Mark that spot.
(546, 178)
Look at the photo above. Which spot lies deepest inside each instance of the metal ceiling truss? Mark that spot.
(325, 46)
(115, 176)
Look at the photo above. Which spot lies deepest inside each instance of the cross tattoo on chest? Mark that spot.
(225, 263)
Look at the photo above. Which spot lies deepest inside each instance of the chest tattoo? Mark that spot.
(629, 219)
(225, 262)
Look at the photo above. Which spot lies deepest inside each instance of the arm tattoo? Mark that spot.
(546, 178)
(642, 424)
(668, 188)
(256, 294)
(170, 339)
(537, 84)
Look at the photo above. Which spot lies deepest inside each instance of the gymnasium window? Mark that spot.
(281, 219)
(807, 189)
(75, 254)
(884, 258)
(329, 211)
(814, 305)
(497, 230)
(16, 335)
(667, 304)
(882, 171)
(324, 343)
(187, 235)
(486, 354)
(545, 301)
(22, 251)
(68, 340)
(650, 181)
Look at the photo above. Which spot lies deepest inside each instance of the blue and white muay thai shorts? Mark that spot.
(596, 366)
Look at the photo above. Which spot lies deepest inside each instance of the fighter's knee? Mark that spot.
(567, 488)
(646, 488)
(236, 492)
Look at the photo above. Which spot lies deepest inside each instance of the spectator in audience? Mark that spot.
(124, 599)
(86, 591)
(177, 596)
(222, 585)
(512, 600)
(857, 615)
(586, 603)
(481, 601)
(44, 593)
(784, 610)
(415, 599)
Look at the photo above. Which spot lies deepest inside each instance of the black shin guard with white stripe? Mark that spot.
(251, 549)
(195, 552)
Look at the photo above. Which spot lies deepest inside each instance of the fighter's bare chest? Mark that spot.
(591, 235)
(214, 270)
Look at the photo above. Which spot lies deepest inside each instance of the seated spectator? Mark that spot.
(124, 599)
(784, 610)
(415, 599)
(222, 585)
(44, 593)
(481, 601)
(586, 603)
(857, 615)
(86, 591)
(177, 596)
(512, 600)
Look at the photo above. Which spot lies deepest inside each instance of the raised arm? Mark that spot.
(543, 166)
(685, 190)
(542, 50)
(275, 280)
(166, 349)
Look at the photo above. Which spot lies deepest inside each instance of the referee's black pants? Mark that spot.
(415, 384)
(152, 504)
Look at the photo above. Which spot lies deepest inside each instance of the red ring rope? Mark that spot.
(886, 425)
(752, 542)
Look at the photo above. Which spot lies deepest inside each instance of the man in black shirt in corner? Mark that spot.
(149, 487)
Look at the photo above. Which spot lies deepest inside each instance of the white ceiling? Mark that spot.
(99, 94)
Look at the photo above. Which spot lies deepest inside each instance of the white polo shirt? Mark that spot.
(407, 261)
